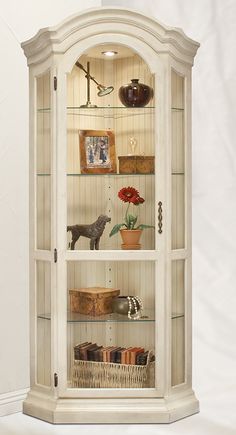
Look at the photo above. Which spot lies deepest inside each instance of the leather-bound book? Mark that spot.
(90, 352)
(124, 356)
(134, 354)
(142, 358)
(109, 353)
(128, 355)
(100, 354)
(96, 354)
(113, 354)
(105, 350)
(84, 351)
(118, 355)
(131, 354)
(77, 349)
(123, 352)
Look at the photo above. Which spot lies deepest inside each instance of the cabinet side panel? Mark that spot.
(178, 161)
(43, 162)
(43, 310)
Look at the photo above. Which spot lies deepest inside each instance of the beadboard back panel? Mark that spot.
(102, 191)
(132, 279)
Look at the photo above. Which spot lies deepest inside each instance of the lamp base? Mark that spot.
(88, 105)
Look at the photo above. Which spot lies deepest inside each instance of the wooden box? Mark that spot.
(93, 301)
(136, 164)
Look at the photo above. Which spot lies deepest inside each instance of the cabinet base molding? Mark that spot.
(159, 410)
(12, 402)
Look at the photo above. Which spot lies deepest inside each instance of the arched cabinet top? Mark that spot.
(110, 21)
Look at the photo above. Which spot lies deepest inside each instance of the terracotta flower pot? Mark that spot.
(130, 239)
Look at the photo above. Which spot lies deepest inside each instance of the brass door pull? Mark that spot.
(159, 217)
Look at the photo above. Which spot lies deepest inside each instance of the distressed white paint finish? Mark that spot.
(162, 50)
(112, 410)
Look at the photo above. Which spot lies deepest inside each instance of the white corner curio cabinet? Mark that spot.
(91, 362)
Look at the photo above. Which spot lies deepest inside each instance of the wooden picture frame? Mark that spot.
(97, 151)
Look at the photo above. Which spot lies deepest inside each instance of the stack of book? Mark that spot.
(92, 352)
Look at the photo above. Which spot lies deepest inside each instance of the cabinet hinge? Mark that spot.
(55, 83)
(55, 379)
(55, 255)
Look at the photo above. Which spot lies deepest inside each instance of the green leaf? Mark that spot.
(130, 221)
(134, 220)
(116, 229)
(142, 227)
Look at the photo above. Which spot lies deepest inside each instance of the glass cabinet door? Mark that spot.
(110, 181)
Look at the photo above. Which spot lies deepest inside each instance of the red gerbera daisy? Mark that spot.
(128, 194)
(138, 200)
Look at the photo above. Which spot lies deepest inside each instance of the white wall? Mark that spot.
(212, 23)
(18, 22)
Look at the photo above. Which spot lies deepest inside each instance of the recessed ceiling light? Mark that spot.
(109, 53)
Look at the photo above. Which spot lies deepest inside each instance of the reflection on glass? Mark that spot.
(43, 163)
(178, 323)
(178, 162)
(98, 195)
(106, 349)
(43, 280)
(178, 211)
(91, 196)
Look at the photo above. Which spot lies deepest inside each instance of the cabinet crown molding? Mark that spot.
(113, 20)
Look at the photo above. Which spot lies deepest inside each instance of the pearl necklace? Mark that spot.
(134, 302)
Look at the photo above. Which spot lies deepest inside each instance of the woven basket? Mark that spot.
(92, 374)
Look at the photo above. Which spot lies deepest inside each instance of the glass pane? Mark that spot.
(43, 280)
(109, 147)
(178, 212)
(108, 346)
(178, 323)
(43, 162)
(97, 196)
(178, 162)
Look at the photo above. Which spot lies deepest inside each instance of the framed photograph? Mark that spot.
(97, 151)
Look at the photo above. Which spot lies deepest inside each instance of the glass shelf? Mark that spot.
(108, 175)
(98, 175)
(177, 109)
(147, 316)
(109, 111)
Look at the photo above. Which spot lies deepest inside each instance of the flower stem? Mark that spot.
(126, 216)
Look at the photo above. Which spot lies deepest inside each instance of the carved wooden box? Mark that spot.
(93, 301)
(136, 164)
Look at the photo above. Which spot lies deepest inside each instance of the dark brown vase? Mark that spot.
(135, 94)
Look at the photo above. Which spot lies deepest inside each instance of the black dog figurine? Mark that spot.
(93, 231)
